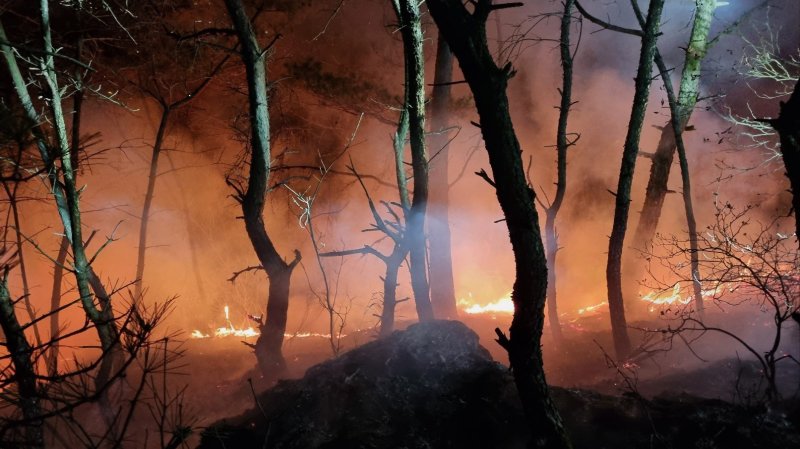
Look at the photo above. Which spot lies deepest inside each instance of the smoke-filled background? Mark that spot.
(334, 62)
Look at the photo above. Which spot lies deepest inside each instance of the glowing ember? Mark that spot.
(502, 305)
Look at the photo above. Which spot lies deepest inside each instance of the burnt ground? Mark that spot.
(352, 402)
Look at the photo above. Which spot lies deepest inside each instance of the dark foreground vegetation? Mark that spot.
(433, 385)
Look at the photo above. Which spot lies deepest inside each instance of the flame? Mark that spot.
(503, 305)
(197, 334)
(658, 298)
(232, 331)
(593, 308)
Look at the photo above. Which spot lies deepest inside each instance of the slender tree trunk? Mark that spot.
(616, 302)
(55, 304)
(665, 151)
(11, 193)
(65, 192)
(103, 317)
(788, 127)
(443, 294)
(148, 201)
(393, 263)
(268, 347)
(562, 145)
(63, 248)
(688, 206)
(411, 29)
(465, 32)
(24, 370)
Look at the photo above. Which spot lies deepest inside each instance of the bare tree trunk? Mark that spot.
(55, 304)
(465, 32)
(148, 201)
(411, 29)
(24, 371)
(11, 193)
(616, 303)
(443, 294)
(788, 127)
(64, 190)
(166, 109)
(562, 145)
(268, 347)
(61, 257)
(688, 206)
(665, 151)
(393, 263)
(103, 317)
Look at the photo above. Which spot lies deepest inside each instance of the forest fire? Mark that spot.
(319, 209)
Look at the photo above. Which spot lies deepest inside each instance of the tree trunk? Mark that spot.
(616, 304)
(688, 206)
(393, 263)
(443, 295)
(562, 145)
(148, 201)
(665, 151)
(465, 32)
(268, 347)
(55, 304)
(411, 29)
(788, 127)
(64, 190)
(24, 372)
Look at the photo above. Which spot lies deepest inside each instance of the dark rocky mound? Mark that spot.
(434, 386)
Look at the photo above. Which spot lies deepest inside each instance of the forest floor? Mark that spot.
(678, 377)
(435, 386)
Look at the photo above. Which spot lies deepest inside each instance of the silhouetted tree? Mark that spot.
(616, 303)
(563, 141)
(408, 16)
(443, 294)
(268, 347)
(465, 33)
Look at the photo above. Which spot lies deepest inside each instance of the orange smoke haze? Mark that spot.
(196, 241)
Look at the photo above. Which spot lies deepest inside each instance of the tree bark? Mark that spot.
(562, 145)
(24, 371)
(393, 263)
(665, 151)
(465, 32)
(788, 127)
(148, 202)
(616, 304)
(443, 294)
(268, 347)
(63, 188)
(411, 30)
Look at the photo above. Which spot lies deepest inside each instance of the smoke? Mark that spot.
(196, 241)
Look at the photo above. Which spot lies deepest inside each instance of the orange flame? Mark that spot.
(503, 305)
